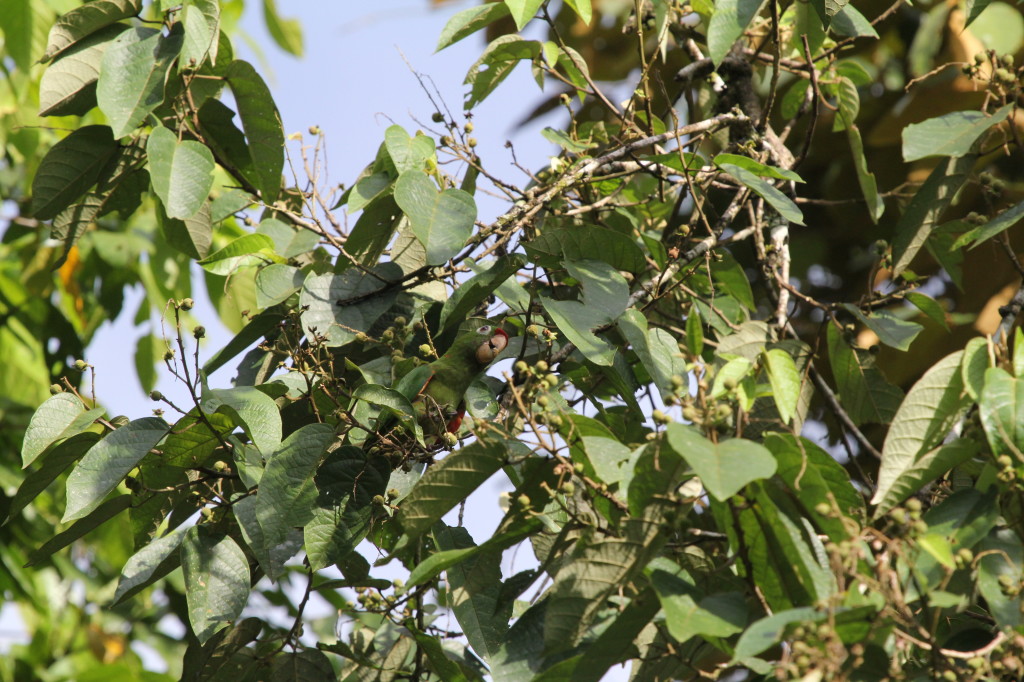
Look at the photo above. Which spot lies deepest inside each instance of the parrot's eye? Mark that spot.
(486, 329)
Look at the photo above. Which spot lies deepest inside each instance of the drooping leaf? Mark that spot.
(724, 467)
(287, 33)
(181, 172)
(252, 409)
(70, 167)
(441, 221)
(61, 416)
(469, 21)
(523, 10)
(216, 580)
(132, 75)
(950, 135)
(785, 381)
(84, 20)
(865, 393)
(108, 462)
(891, 330)
(776, 199)
(262, 125)
(605, 298)
(68, 86)
(928, 412)
(148, 564)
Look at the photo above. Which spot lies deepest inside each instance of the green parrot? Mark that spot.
(437, 390)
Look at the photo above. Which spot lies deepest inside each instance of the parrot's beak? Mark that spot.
(489, 349)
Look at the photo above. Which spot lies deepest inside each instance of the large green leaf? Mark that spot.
(181, 172)
(103, 512)
(201, 19)
(61, 416)
(586, 242)
(346, 484)
(262, 125)
(923, 212)
(925, 469)
(148, 564)
(338, 307)
(776, 199)
(84, 20)
(252, 409)
(690, 612)
(247, 250)
(441, 221)
(865, 393)
(408, 153)
(287, 492)
(595, 571)
(287, 33)
(469, 21)
(56, 460)
(216, 580)
(891, 330)
(447, 483)
(730, 19)
(785, 382)
(1001, 405)
(949, 135)
(932, 406)
(108, 462)
(70, 167)
(132, 76)
(68, 86)
(724, 467)
(605, 298)
(271, 552)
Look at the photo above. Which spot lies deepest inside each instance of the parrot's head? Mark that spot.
(492, 341)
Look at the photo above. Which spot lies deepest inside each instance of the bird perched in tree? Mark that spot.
(437, 390)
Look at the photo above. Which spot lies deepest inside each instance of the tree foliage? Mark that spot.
(758, 407)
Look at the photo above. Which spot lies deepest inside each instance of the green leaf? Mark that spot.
(1000, 27)
(523, 10)
(84, 20)
(340, 306)
(925, 469)
(68, 86)
(287, 492)
(595, 571)
(440, 663)
(216, 580)
(96, 518)
(849, 22)
(974, 8)
(688, 612)
(394, 402)
(276, 282)
(54, 463)
(891, 330)
(469, 294)
(132, 76)
(475, 587)
(346, 484)
(923, 212)
(730, 19)
(407, 153)
(950, 135)
(247, 250)
(605, 298)
(694, 333)
(181, 172)
(567, 143)
(785, 382)
(999, 223)
(586, 242)
(71, 167)
(724, 467)
(271, 552)
(1001, 405)
(767, 632)
(865, 393)
(495, 64)
(201, 19)
(227, 655)
(447, 483)
(289, 241)
(469, 21)
(865, 178)
(929, 411)
(756, 168)
(974, 365)
(108, 462)
(776, 199)
(262, 125)
(147, 565)
(930, 307)
(815, 477)
(582, 8)
(1001, 560)
(192, 236)
(287, 33)
(255, 411)
(441, 221)
(656, 353)
(60, 417)
(367, 189)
